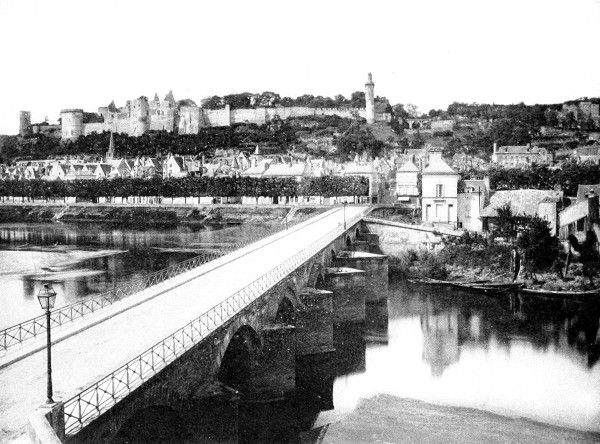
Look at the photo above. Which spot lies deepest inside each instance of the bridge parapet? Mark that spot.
(29, 330)
(94, 401)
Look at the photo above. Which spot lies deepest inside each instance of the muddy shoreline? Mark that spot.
(386, 418)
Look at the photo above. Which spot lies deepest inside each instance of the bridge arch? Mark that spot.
(128, 419)
(285, 307)
(320, 282)
(153, 424)
(239, 359)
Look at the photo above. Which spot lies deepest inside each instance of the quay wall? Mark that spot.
(155, 214)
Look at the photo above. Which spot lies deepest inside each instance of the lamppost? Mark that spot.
(345, 203)
(47, 297)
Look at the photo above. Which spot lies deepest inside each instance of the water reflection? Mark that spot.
(519, 356)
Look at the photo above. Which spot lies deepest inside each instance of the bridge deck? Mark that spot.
(82, 359)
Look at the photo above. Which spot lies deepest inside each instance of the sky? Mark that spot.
(58, 54)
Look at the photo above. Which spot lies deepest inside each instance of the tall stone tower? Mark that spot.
(140, 117)
(370, 99)
(24, 122)
(71, 124)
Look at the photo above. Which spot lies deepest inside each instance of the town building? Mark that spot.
(579, 218)
(543, 203)
(472, 199)
(439, 200)
(407, 184)
(517, 156)
(588, 153)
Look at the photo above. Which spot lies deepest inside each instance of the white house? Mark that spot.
(407, 182)
(439, 183)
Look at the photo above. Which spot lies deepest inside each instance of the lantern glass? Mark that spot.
(47, 296)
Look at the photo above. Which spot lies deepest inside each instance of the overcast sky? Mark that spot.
(83, 54)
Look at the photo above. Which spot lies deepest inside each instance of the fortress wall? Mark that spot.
(190, 120)
(89, 128)
(159, 122)
(252, 115)
(121, 126)
(293, 111)
(216, 117)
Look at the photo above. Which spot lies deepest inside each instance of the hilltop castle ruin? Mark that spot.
(142, 115)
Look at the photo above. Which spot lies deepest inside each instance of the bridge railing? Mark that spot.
(106, 393)
(17, 334)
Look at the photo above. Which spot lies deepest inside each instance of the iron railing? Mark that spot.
(26, 330)
(92, 402)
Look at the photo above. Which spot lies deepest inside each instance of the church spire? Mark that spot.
(110, 154)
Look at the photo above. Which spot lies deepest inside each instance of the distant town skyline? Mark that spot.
(70, 54)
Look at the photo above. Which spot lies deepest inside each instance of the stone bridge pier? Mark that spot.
(256, 356)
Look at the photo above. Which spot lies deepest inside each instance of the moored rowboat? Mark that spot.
(561, 293)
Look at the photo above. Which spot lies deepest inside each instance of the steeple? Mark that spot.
(156, 97)
(110, 154)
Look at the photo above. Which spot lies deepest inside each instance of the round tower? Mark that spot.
(24, 122)
(370, 100)
(140, 116)
(71, 124)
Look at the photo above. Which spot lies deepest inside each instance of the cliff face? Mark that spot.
(164, 214)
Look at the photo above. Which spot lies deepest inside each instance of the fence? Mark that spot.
(104, 394)
(24, 331)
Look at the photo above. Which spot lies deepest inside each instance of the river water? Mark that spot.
(531, 357)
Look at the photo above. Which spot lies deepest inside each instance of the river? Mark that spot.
(529, 357)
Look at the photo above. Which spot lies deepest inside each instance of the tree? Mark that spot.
(213, 102)
(417, 141)
(412, 110)
(399, 112)
(506, 222)
(357, 99)
(540, 249)
(551, 117)
(568, 121)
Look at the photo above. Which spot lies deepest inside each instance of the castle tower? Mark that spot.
(24, 122)
(71, 124)
(140, 116)
(370, 99)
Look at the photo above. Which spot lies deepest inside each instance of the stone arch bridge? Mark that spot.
(266, 306)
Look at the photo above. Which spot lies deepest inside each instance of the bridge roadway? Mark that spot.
(82, 359)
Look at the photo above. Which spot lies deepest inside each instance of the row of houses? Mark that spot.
(417, 179)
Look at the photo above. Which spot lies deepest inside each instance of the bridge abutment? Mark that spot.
(347, 285)
(375, 267)
(314, 332)
(275, 372)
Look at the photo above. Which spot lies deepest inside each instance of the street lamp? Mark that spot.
(47, 297)
(345, 203)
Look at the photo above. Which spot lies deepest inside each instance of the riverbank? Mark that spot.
(462, 262)
(390, 419)
(160, 214)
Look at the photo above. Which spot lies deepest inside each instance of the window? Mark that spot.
(439, 190)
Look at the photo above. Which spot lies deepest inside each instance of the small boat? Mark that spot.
(486, 286)
(561, 293)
